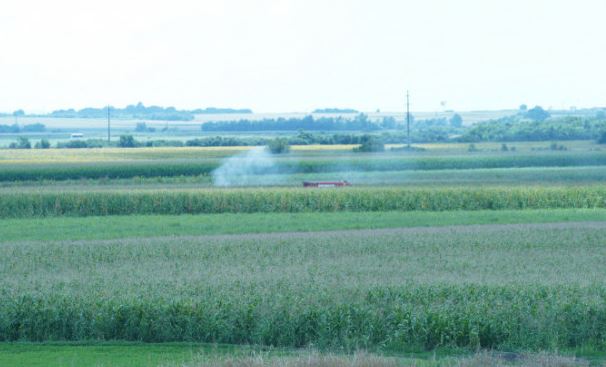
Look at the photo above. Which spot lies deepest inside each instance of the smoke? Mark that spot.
(253, 167)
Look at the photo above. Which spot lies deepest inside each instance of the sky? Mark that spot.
(299, 55)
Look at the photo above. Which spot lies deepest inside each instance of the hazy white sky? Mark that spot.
(297, 55)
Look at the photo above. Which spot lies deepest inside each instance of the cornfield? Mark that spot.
(511, 286)
(100, 203)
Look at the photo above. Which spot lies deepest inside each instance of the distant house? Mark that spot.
(76, 136)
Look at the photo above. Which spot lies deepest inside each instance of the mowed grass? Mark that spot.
(194, 355)
(114, 227)
(95, 355)
(520, 287)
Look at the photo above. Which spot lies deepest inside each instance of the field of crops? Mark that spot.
(432, 250)
(91, 203)
(292, 165)
(499, 286)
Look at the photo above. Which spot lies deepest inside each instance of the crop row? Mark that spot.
(193, 167)
(419, 317)
(99, 203)
(512, 287)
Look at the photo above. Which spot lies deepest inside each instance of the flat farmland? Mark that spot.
(432, 258)
(398, 289)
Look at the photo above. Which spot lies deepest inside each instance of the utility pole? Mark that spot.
(408, 118)
(108, 126)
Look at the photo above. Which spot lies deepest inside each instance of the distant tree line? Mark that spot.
(516, 128)
(361, 122)
(15, 128)
(140, 111)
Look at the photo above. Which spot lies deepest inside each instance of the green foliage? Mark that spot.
(22, 143)
(146, 226)
(602, 138)
(503, 287)
(92, 354)
(370, 143)
(514, 128)
(42, 144)
(164, 143)
(80, 144)
(33, 128)
(537, 113)
(39, 204)
(14, 128)
(278, 146)
(138, 111)
(456, 120)
(360, 122)
(127, 141)
(73, 144)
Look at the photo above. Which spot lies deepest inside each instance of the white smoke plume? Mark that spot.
(251, 168)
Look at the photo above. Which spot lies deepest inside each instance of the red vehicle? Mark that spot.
(325, 183)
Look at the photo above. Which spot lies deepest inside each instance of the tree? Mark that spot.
(19, 113)
(22, 143)
(523, 108)
(602, 139)
(537, 113)
(42, 144)
(278, 146)
(601, 115)
(370, 143)
(127, 141)
(456, 120)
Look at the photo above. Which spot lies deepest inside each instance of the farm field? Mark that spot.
(89, 228)
(533, 176)
(196, 355)
(126, 257)
(298, 151)
(461, 286)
